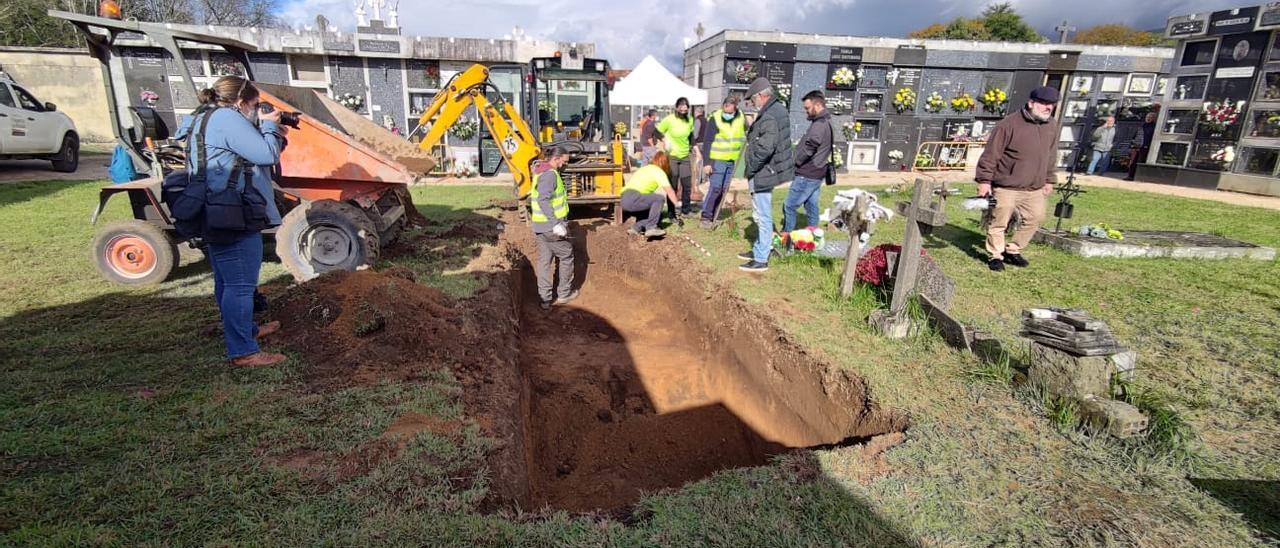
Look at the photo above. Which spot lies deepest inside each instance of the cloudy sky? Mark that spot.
(624, 32)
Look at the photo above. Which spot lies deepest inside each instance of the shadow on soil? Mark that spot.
(1257, 500)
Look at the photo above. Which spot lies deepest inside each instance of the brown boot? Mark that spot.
(260, 359)
(267, 329)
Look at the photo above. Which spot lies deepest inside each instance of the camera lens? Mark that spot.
(289, 119)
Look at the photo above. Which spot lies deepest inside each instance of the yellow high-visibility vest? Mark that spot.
(730, 136)
(559, 202)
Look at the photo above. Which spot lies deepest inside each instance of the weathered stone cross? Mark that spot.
(1063, 29)
(921, 219)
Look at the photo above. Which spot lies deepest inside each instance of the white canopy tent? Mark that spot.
(650, 83)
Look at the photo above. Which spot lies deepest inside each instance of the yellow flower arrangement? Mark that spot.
(963, 103)
(904, 100)
(994, 100)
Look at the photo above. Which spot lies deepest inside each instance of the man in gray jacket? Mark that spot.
(549, 212)
(812, 157)
(769, 163)
(1101, 141)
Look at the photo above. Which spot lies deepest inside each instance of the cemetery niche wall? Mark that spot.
(888, 96)
(1221, 127)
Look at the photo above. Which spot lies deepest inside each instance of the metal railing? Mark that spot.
(946, 155)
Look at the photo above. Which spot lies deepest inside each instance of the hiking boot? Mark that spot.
(565, 299)
(267, 329)
(753, 266)
(259, 359)
(996, 265)
(747, 256)
(654, 232)
(1016, 259)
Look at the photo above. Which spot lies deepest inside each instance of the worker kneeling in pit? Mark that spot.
(645, 194)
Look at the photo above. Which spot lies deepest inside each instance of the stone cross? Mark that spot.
(857, 225)
(1063, 29)
(700, 30)
(926, 210)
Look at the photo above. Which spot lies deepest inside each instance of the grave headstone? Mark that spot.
(1064, 374)
(926, 209)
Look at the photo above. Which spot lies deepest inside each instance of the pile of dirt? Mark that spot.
(364, 327)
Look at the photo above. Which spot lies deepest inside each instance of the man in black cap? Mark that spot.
(768, 156)
(1018, 168)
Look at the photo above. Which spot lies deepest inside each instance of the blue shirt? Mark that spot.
(229, 135)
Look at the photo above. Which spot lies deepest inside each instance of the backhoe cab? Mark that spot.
(562, 100)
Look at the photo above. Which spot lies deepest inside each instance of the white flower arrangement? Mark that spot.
(351, 101)
(895, 155)
(1225, 155)
(464, 129)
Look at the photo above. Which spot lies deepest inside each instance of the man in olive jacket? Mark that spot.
(769, 163)
(1018, 167)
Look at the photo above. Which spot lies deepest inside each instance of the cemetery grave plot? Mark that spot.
(627, 390)
(1156, 243)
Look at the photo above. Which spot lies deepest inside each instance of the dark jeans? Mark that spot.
(646, 207)
(550, 248)
(1139, 155)
(235, 278)
(721, 174)
(682, 181)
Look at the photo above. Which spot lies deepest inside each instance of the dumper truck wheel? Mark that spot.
(134, 252)
(325, 235)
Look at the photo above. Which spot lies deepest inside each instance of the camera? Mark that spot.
(287, 118)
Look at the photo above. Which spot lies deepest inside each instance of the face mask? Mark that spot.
(726, 116)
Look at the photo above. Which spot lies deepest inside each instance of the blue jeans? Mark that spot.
(1100, 157)
(721, 174)
(762, 212)
(803, 191)
(235, 277)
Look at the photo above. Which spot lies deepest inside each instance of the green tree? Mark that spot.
(1115, 34)
(1005, 24)
(27, 23)
(961, 28)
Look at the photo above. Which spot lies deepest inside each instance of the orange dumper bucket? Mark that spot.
(334, 150)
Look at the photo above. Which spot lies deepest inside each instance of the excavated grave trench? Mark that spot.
(654, 378)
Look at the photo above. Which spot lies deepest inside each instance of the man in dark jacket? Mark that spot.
(1018, 168)
(769, 163)
(1141, 145)
(812, 157)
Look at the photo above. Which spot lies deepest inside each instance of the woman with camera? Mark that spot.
(234, 145)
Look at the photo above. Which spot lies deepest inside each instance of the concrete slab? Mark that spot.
(1156, 244)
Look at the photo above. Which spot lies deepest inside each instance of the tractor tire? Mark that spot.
(68, 158)
(134, 252)
(325, 235)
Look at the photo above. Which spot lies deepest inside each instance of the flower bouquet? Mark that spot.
(620, 129)
(895, 155)
(963, 103)
(465, 129)
(904, 100)
(837, 158)
(934, 103)
(1220, 116)
(924, 159)
(995, 100)
(351, 101)
(843, 77)
(1224, 155)
(851, 130)
(547, 105)
(148, 97)
(871, 105)
(432, 73)
(744, 72)
(784, 92)
(1101, 231)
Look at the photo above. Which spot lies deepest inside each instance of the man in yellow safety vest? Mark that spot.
(549, 205)
(723, 151)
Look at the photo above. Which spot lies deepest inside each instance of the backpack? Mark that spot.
(198, 213)
(122, 170)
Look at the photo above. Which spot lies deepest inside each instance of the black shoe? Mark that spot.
(1016, 259)
(753, 266)
(747, 256)
(996, 265)
(1128, 178)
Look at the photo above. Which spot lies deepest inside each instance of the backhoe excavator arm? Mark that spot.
(515, 141)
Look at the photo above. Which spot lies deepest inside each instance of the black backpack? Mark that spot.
(196, 212)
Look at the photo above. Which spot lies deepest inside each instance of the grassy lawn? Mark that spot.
(123, 424)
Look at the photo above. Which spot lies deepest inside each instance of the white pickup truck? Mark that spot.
(31, 129)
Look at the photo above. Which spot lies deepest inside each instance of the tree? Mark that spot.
(1116, 34)
(239, 13)
(997, 22)
(1006, 25)
(27, 23)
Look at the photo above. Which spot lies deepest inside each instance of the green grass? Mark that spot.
(122, 424)
(1208, 376)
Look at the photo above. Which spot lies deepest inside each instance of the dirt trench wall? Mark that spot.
(775, 386)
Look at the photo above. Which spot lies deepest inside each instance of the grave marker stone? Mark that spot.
(927, 208)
